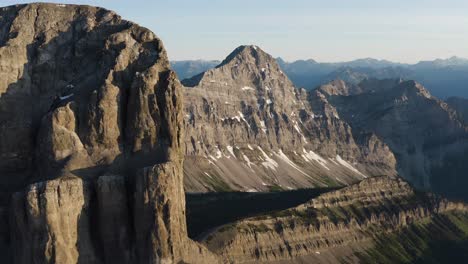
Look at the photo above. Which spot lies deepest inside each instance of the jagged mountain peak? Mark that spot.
(414, 87)
(247, 65)
(243, 51)
(251, 56)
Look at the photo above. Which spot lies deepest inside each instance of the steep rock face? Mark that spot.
(461, 106)
(92, 139)
(427, 136)
(248, 128)
(334, 228)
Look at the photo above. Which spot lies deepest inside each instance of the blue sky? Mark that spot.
(332, 30)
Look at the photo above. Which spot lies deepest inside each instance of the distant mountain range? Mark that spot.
(189, 68)
(442, 77)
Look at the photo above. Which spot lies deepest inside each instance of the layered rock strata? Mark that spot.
(333, 228)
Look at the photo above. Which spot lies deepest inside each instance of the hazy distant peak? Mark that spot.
(452, 61)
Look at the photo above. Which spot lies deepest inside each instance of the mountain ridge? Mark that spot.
(433, 74)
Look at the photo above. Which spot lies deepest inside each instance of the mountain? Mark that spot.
(461, 106)
(248, 128)
(356, 75)
(189, 68)
(442, 77)
(379, 220)
(426, 135)
(91, 147)
(442, 63)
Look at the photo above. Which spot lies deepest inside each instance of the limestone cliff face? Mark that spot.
(248, 128)
(92, 139)
(332, 228)
(428, 136)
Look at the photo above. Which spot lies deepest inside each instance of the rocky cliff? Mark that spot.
(92, 140)
(336, 227)
(461, 106)
(428, 137)
(248, 128)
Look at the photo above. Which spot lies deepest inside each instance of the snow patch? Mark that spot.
(219, 154)
(249, 163)
(290, 162)
(312, 156)
(296, 126)
(263, 69)
(246, 88)
(349, 166)
(65, 97)
(242, 117)
(268, 101)
(269, 162)
(263, 127)
(231, 150)
(250, 147)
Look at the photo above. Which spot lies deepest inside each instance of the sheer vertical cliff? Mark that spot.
(92, 140)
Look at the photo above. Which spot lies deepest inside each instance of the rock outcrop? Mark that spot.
(92, 140)
(332, 228)
(248, 128)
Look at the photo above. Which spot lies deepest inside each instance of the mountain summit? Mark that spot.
(246, 63)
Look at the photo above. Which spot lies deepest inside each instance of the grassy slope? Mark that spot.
(442, 239)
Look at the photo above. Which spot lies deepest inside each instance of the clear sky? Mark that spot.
(331, 30)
